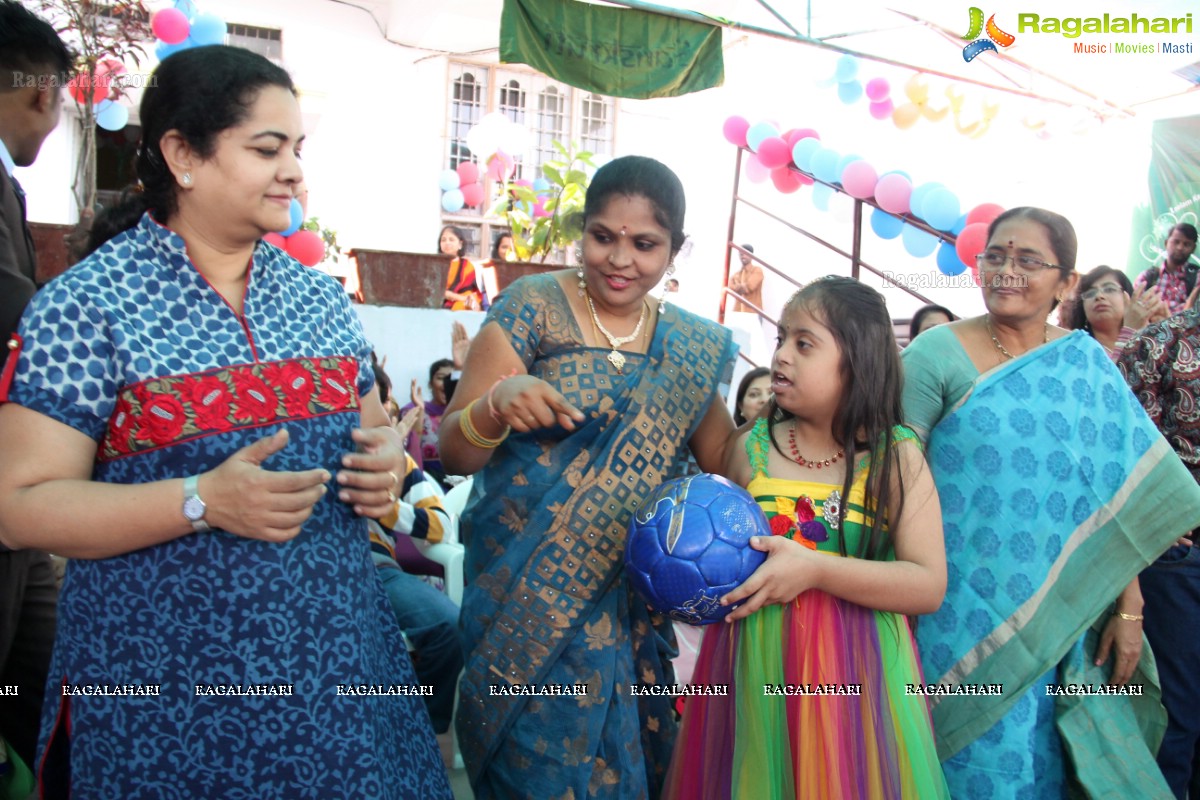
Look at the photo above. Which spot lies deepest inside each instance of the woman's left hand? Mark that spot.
(790, 569)
(372, 476)
(1125, 637)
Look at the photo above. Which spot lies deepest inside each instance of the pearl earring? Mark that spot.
(582, 282)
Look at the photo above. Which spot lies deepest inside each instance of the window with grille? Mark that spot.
(548, 109)
(468, 94)
(266, 42)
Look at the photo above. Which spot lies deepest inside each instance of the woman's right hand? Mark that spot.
(527, 403)
(247, 500)
(1142, 307)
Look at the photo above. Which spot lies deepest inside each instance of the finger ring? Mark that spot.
(395, 479)
(391, 496)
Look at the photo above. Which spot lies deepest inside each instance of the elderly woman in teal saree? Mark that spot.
(1053, 482)
(597, 421)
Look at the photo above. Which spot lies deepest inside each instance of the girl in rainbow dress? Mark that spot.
(825, 696)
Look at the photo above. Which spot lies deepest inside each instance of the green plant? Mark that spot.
(328, 235)
(97, 32)
(561, 223)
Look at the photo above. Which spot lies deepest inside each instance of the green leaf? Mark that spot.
(576, 177)
(552, 174)
(558, 146)
(524, 194)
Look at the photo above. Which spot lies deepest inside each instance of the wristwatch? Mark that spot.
(193, 504)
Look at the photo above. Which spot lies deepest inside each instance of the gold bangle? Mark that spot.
(472, 434)
(1130, 617)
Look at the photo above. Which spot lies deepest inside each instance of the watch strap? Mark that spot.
(191, 491)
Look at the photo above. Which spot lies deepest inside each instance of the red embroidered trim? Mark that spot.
(14, 345)
(176, 408)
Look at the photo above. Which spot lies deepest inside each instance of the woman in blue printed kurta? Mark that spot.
(240, 648)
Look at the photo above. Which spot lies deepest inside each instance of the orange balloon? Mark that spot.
(905, 116)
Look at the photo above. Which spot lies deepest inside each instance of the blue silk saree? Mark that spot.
(1056, 490)
(548, 607)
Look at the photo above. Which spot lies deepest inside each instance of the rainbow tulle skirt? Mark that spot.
(824, 700)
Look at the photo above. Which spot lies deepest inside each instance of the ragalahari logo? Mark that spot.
(995, 36)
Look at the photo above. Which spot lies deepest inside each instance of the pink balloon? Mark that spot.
(500, 166)
(892, 192)
(539, 208)
(882, 110)
(971, 242)
(735, 130)
(472, 194)
(796, 134)
(786, 180)
(171, 25)
(755, 170)
(858, 179)
(877, 90)
(985, 213)
(275, 239)
(468, 172)
(306, 247)
(774, 152)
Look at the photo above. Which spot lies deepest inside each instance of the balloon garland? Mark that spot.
(798, 158)
(917, 105)
(493, 142)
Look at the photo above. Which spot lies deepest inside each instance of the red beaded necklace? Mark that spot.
(804, 462)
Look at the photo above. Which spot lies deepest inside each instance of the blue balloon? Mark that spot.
(959, 225)
(803, 152)
(448, 179)
(208, 29)
(162, 49)
(756, 134)
(940, 209)
(187, 7)
(885, 225)
(847, 69)
(849, 92)
(541, 185)
(114, 117)
(453, 200)
(916, 202)
(821, 195)
(948, 262)
(917, 242)
(825, 164)
(296, 217)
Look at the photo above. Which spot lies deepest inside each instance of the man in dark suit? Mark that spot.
(34, 65)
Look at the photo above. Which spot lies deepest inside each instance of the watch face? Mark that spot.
(193, 509)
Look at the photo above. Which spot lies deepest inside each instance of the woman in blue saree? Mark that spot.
(1053, 483)
(603, 391)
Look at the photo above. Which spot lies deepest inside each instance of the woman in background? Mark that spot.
(1110, 310)
(463, 292)
(753, 393)
(927, 317)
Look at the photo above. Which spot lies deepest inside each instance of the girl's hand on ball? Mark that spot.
(790, 569)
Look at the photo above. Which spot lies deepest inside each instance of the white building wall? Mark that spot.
(376, 116)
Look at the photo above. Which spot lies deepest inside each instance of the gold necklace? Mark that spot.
(988, 319)
(616, 358)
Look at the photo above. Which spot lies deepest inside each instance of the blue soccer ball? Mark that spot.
(689, 545)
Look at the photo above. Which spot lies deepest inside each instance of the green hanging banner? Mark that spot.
(619, 52)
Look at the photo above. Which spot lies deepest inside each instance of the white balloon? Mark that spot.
(514, 138)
